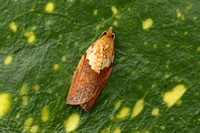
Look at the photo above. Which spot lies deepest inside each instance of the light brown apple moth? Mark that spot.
(92, 71)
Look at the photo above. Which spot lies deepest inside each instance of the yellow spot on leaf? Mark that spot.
(196, 94)
(167, 64)
(194, 18)
(13, 26)
(185, 33)
(56, 66)
(63, 58)
(114, 10)
(49, 7)
(162, 127)
(36, 87)
(16, 99)
(117, 104)
(155, 46)
(176, 78)
(24, 101)
(168, 45)
(95, 12)
(76, 43)
(106, 130)
(179, 14)
(146, 24)
(111, 117)
(8, 37)
(189, 6)
(18, 115)
(133, 72)
(171, 97)
(140, 86)
(34, 129)
(45, 114)
(138, 107)
(8, 60)
(155, 112)
(28, 123)
(118, 16)
(145, 42)
(166, 76)
(147, 62)
(4, 103)
(198, 49)
(33, 28)
(117, 130)
(115, 23)
(72, 122)
(154, 85)
(124, 112)
(23, 89)
(31, 37)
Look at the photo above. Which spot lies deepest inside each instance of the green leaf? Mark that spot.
(154, 84)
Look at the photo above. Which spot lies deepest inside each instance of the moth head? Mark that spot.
(109, 33)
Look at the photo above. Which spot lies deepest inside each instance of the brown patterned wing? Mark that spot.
(104, 74)
(84, 83)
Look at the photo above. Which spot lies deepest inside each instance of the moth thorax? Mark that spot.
(95, 57)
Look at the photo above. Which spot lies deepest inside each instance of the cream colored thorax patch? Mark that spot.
(100, 54)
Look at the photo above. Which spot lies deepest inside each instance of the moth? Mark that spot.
(92, 71)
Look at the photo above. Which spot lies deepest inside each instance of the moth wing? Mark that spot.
(104, 74)
(84, 83)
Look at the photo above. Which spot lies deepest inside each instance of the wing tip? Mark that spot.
(72, 102)
(69, 101)
(85, 107)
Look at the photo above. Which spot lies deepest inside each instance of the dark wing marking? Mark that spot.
(104, 74)
(84, 83)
